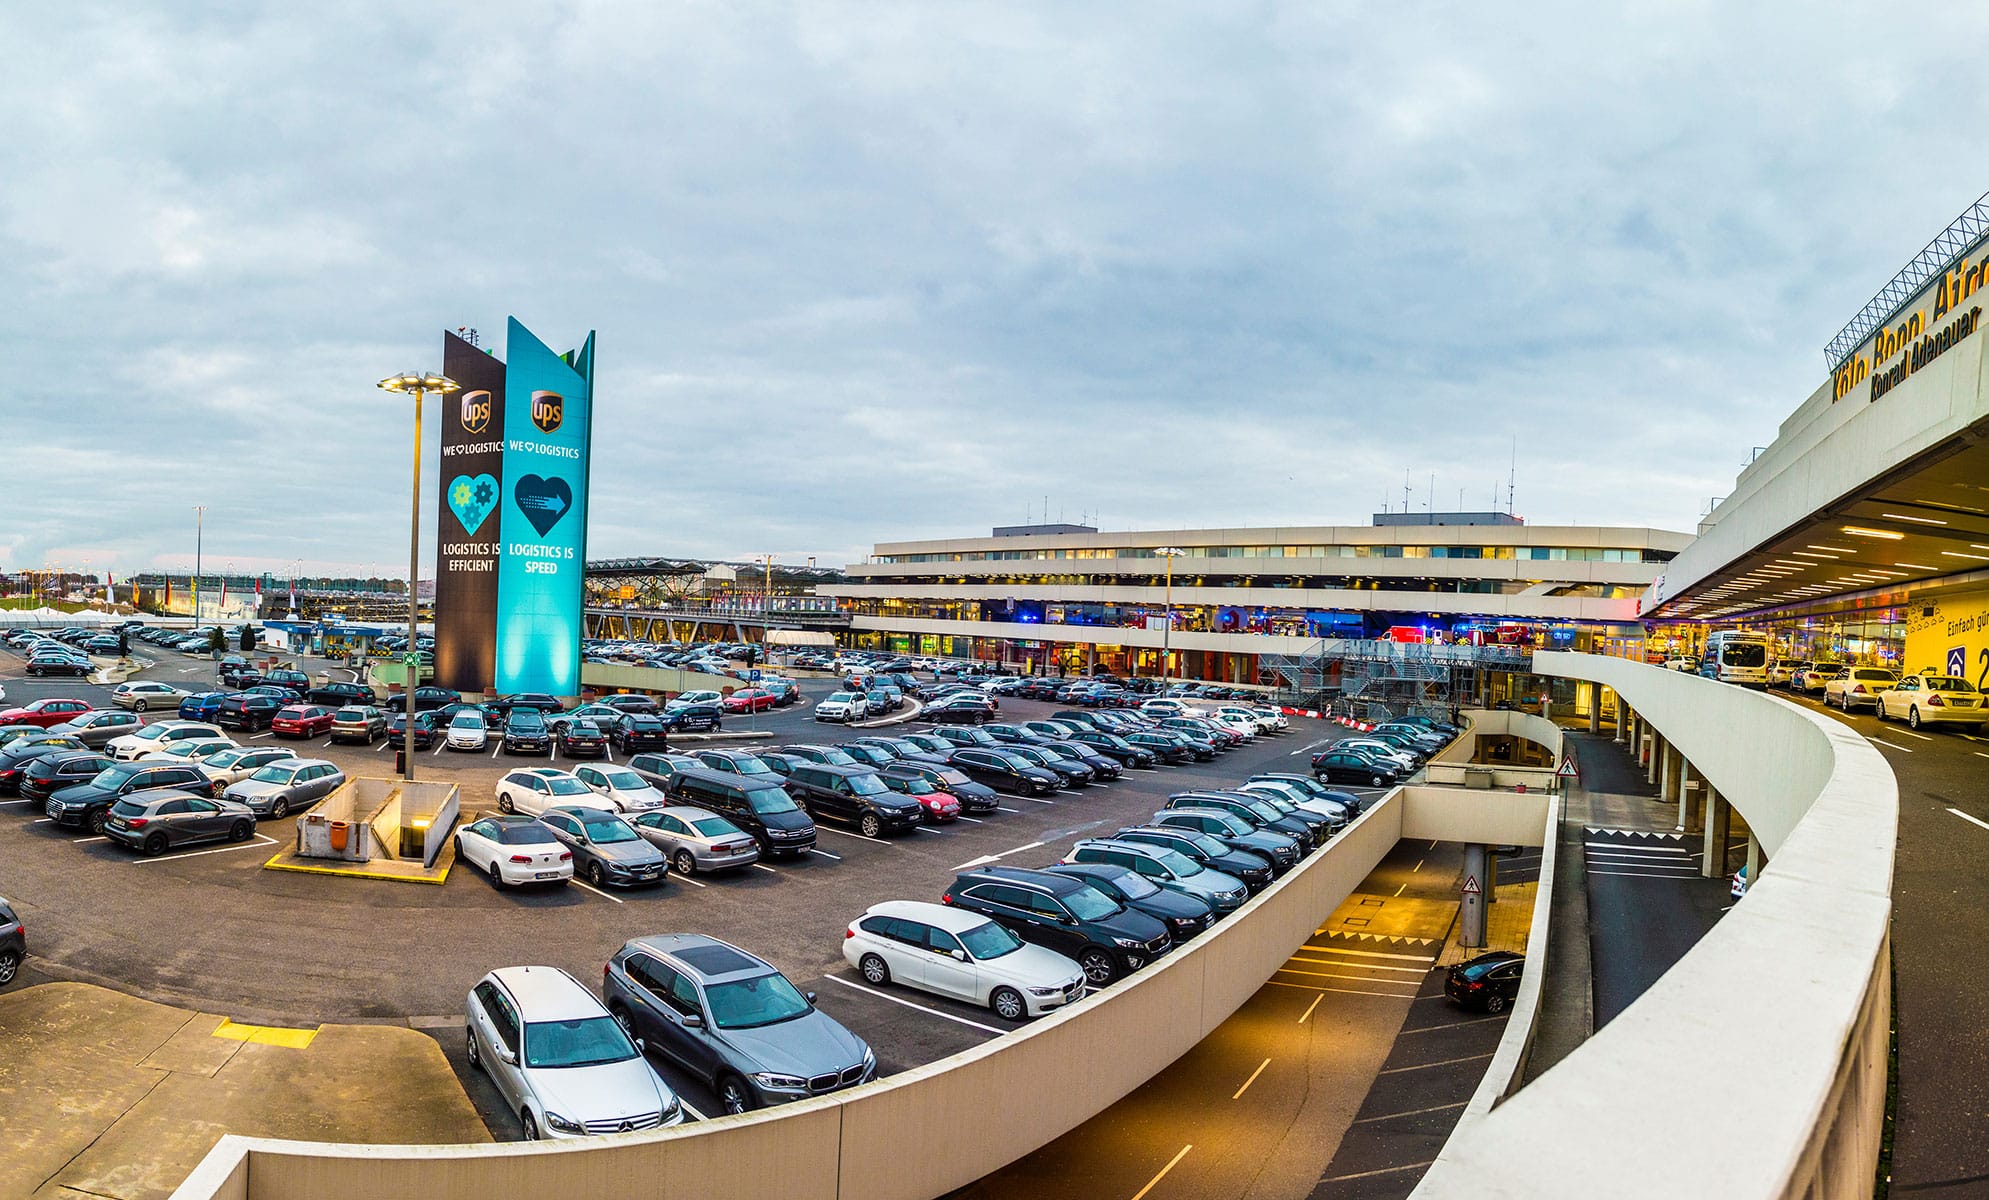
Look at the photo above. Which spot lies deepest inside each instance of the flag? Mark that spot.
(224, 591)
(110, 587)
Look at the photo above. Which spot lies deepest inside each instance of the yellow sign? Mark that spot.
(1912, 339)
(627, 592)
(1949, 634)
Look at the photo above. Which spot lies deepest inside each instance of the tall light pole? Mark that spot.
(1170, 553)
(420, 384)
(199, 522)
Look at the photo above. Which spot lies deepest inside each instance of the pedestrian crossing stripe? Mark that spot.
(1391, 939)
(1637, 833)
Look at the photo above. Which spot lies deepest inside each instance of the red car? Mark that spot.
(301, 721)
(940, 808)
(44, 714)
(750, 700)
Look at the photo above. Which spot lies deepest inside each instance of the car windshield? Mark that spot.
(566, 785)
(466, 720)
(950, 775)
(272, 775)
(990, 941)
(1234, 824)
(1134, 886)
(867, 785)
(624, 779)
(225, 757)
(1089, 904)
(608, 830)
(1744, 654)
(582, 1042)
(714, 827)
(1176, 861)
(838, 757)
(768, 801)
(746, 764)
(1264, 809)
(1206, 844)
(521, 833)
(751, 1003)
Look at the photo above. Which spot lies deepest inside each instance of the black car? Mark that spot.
(537, 701)
(1004, 771)
(1488, 982)
(959, 710)
(296, 681)
(1111, 745)
(969, 737)
(250, 712)
(1069, 773)
(1163, 748)
(526, 732)
(641, 731)
(237, 672)
(1063, 914)
(1040, 689)
(88, 804)
(425, 729)
(1233, 831)
(758, 804)
(1184, 915)
(580, 739)
(1102, 768)
(340, 695)
(1255, 811)
(1254, 869)
(49, 774)
(23, 750)
(425, 697)
(631, 703)
(854, 795)
(941, 777)
(697, 718)
(1344, 766)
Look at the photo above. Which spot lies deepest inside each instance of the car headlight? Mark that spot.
(671, 1109)
(1129, 943)
(559, 1124)
(785, 1082)
(1050, 991)
(1187, 922)
(869, 1057)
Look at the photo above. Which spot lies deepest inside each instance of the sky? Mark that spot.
(884, 271)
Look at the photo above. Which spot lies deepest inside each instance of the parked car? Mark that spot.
(854, 795)
(43, 775)
(236, 763)
(845, 707)
(1113, 746)
(468, 730)
(284, 677)
(127, 747)
(98, 728)
(13, 942)
(1280, 851)
(697, 839)
(1927, 699)
(1859, 687)
(1488, 982)
(1168, 859)
(139, 695)
(533, 790)
(920, 777)
(738, 762)
(88, 804)
(1106, 939)
(44, 714)
(425, 730)
(732, 1020)
(964, 955)
(1004, 771)
(161, 819)
(758, 804)
(301, 721)
(1347, 766)
(1184, 915)
(281, 788)
(188, 749)
(630, 703)
(640, 731)
(248, 712)
(696, 718)
(21, 752)
(959, 710)
(1817, 675)
(1257, 812)
(526, 732)
(561, 1063)
(621, 788)
(607, 851)
(513, 851)
(750, 700)
(339, 694)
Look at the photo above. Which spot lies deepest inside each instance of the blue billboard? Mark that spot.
(548, 429)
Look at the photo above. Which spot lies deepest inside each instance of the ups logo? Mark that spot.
(476, 412)
(548, 410)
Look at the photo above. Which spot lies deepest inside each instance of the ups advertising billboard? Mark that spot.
(469, 541)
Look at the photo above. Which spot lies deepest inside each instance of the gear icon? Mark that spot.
(484, 493)
(460, 494)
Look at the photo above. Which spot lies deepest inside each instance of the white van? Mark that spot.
(1736, 656)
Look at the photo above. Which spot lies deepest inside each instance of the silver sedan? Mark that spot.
(697, 839)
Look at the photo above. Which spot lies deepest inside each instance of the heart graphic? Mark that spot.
(472, 500)
(543, 501)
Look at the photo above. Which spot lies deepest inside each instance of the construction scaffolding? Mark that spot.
(1377, 679)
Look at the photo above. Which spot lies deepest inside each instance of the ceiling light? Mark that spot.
(1807, 554)
(1887, 534)
(1959, 554)
(1832, 549)
(1915, 566)
(1915, 520)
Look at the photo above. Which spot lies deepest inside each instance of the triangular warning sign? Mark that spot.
(1567, 770)
(1470, 885)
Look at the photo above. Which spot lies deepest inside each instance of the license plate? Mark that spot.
(115, 823)
(547, 875)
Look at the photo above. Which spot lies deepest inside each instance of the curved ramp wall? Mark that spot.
(1756, 1066)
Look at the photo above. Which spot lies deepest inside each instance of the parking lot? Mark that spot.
(208, 928)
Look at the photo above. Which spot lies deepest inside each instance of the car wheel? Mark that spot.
(874, 969)
(241, 831)
(504, 804)
(279, 808)
(734, 1096)
(155, 845)
(531, 1126)
(470, 1048)
(1495, 1005)
(684, 862)
(138, 705)
(871, 826)
(1912, 717)
(1007, 1004)
(97, 820)
(496, 875)
(622, 1019)
(1380, 781)
(597, 875)
(1098, 967)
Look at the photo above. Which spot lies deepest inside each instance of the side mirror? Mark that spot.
(693, 1021)
(960, 955)
(810, 996)
(509, 1056)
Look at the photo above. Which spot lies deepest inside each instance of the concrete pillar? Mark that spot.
(1625, 721)
(1668, 775)
(1688, 797)
(1655, 751)
(1492, 878)
(1713, 848)
(1594, 693)
(1755, 859)
(1472, 910)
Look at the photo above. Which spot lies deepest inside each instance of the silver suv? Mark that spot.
(731, 1019)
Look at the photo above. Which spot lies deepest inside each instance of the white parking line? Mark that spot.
(1648, 874)
(1034, 800)
(1407, 983)
(1909, 733)
(380, 747)
(1251, 1080)
(1011, 810)
(330, 742)
(908, 1004)
(1334, 962)
(256, 737)
(1421, 958)
(975, 820)
(859, 837)
(681, 878)
(1971, 820)
(260, 840)
(924, 828)
(1888, 745)
(1310, 1007)
(498, 750)
(764, 867)
(597, 891)
(16, 801)
(83, 841)
(825, 854)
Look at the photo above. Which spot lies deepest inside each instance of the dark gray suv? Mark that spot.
(732, 1020)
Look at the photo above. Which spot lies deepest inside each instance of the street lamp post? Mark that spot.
(1170, 553)
(420, 384)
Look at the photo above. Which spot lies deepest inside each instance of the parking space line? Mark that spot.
(975, 820)
(1682, 875)
(382, 746)
(20, 801)
(498, 750)
(1909, 733)
(1334, 962)
(689, 880)
(1448, 1062)
(825, 854)
(597, 891)
(764, 867)
(1016, 811)
(256, 737)
(924, 828)
(1971, 820)
(82, 841)
(1034, 800)
(1253, 1077)
(859, 837)
(1888, 745)
(1141, 1194)
(908, 1004)
(1408, 983)
(1421, 958)
(1310, 1007)
(260, 840)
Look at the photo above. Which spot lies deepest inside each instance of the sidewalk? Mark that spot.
(1508, 921)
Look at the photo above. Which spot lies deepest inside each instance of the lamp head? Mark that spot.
(419, 381)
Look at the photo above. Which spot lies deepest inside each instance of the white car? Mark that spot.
(1244, 727)
(1260, 721)
(1859, 687)
(160, 733)
(952, 952)
(188, 749)
(843, 706)
(138, 695)
(1165, 708)
(467, 731)
(623, 789)
(514, 851)
(236, 763)
(562, 1064)
(1376, 748)
(1931, 699)
(684, 700)
(1297, 796)
(533, 790)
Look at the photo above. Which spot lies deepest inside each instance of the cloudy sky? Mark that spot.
(878, 271)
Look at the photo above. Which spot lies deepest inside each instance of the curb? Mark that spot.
(895, 719)
(722, 736)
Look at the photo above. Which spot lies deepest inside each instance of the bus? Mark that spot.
(1736, 656)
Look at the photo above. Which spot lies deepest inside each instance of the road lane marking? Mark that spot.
(260, 840)
(1329, 962)
(1141, 1194)
(597, 891)
(1441, 1063)
(908, 1004)
(988, 858)
(1421, 958)
(1313, 987)
(1647, 874)
(1420, 862)
(1909, 733)
(1971, 820)
(1888, 745)
(1355, 978)
(1253, 1076)
(1377, 1171)
(1400, 890)
(1450, 1025)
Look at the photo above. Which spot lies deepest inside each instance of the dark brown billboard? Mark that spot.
(468, 545)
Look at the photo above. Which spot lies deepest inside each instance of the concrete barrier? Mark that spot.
(1453, 764)
(852, 1146)
(1756, 1066)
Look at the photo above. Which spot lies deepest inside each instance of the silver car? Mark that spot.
(697, 839)
(563, 1065)
(236, 763)
(623, 789)
(142, 694)
(96, 729)
(282, 788)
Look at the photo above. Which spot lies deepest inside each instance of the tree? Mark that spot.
(248, 637)
(216, 640)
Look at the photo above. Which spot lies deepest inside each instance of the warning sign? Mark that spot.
(1567, 770)
(1470, 885)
